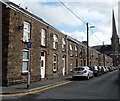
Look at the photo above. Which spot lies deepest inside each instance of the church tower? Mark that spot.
(115, 38)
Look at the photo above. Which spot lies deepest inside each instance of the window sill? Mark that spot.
(63, 50)
(24, 72)
(43, 46)
(24, 41)
(54, 48)
(54, 71)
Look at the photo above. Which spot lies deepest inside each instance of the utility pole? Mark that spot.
(87, 45)
(103, 53)
(29, 45)
(88, 42)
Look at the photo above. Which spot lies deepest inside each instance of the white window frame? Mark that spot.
(63, 44)
(71, 67)
(26, 32)
(76, 51)
(71, 50)
(55, 62)
(80, 53)
(43, 37)
(26, 60)
(55, 41)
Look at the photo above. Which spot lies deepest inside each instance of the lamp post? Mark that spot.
(88, 43)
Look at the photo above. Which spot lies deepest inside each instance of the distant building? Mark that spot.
(112, 50)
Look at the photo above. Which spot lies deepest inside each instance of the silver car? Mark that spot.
(82, 71)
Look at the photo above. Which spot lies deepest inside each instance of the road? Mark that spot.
(106, 86)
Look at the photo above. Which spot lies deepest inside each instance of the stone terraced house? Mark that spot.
(53, 54)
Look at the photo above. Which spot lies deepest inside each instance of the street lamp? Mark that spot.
(88, 43)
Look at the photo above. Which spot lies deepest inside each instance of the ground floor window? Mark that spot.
(25, 63)
(70, 67)
(54, 62)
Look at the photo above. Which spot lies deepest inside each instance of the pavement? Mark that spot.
(22, 88)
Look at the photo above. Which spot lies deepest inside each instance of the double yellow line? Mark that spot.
(36, 91)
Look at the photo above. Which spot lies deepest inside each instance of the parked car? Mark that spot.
(103, 69)
(114, 68)
(95, 70)
(106, 67)
(82, 71)
(100, 69)
(110, 68)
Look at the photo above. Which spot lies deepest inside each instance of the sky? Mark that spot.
(97, 13)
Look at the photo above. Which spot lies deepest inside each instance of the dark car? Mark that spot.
(95, 70)
(110, 68)
(100, 70)
(103, 69)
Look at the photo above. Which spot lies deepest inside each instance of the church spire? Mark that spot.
(114, 30)
(114, 39)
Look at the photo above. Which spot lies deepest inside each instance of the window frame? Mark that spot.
(26, 60)
(71, 50)
(55, 41)
(81, 53)
(71, 69)
(26, 32)
(63, 44)
(76, 51)
(43, 37)
(55, 62)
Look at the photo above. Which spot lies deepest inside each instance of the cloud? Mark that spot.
(96, 12)
(77, 35)
(108, 1)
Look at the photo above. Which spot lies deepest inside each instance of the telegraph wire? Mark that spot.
(72, 12)
(96, 36)
(78, 18)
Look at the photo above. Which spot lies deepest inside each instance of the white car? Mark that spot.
(82, 71)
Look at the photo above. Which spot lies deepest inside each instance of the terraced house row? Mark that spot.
(53, 54)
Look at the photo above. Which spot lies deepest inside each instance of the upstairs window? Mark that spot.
(43, 37)
(63, 44)
(26, 32)
(81, 53)
(55, 42)
(54, 62)
(76, 51)
(71, 50)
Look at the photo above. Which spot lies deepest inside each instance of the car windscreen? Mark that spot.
(79, 69)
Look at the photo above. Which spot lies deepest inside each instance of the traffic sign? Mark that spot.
(29, 45)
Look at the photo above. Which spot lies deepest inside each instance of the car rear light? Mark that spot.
(95, 70)
(85, 71)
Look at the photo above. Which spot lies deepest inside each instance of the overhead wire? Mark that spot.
(96, 36)
(78, 17)
(72, 12)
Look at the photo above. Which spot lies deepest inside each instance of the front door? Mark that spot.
(42, 64)
(63, 64)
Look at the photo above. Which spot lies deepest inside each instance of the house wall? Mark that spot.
(5, 30)
(13, 45)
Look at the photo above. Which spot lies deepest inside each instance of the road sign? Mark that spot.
(29, 45)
